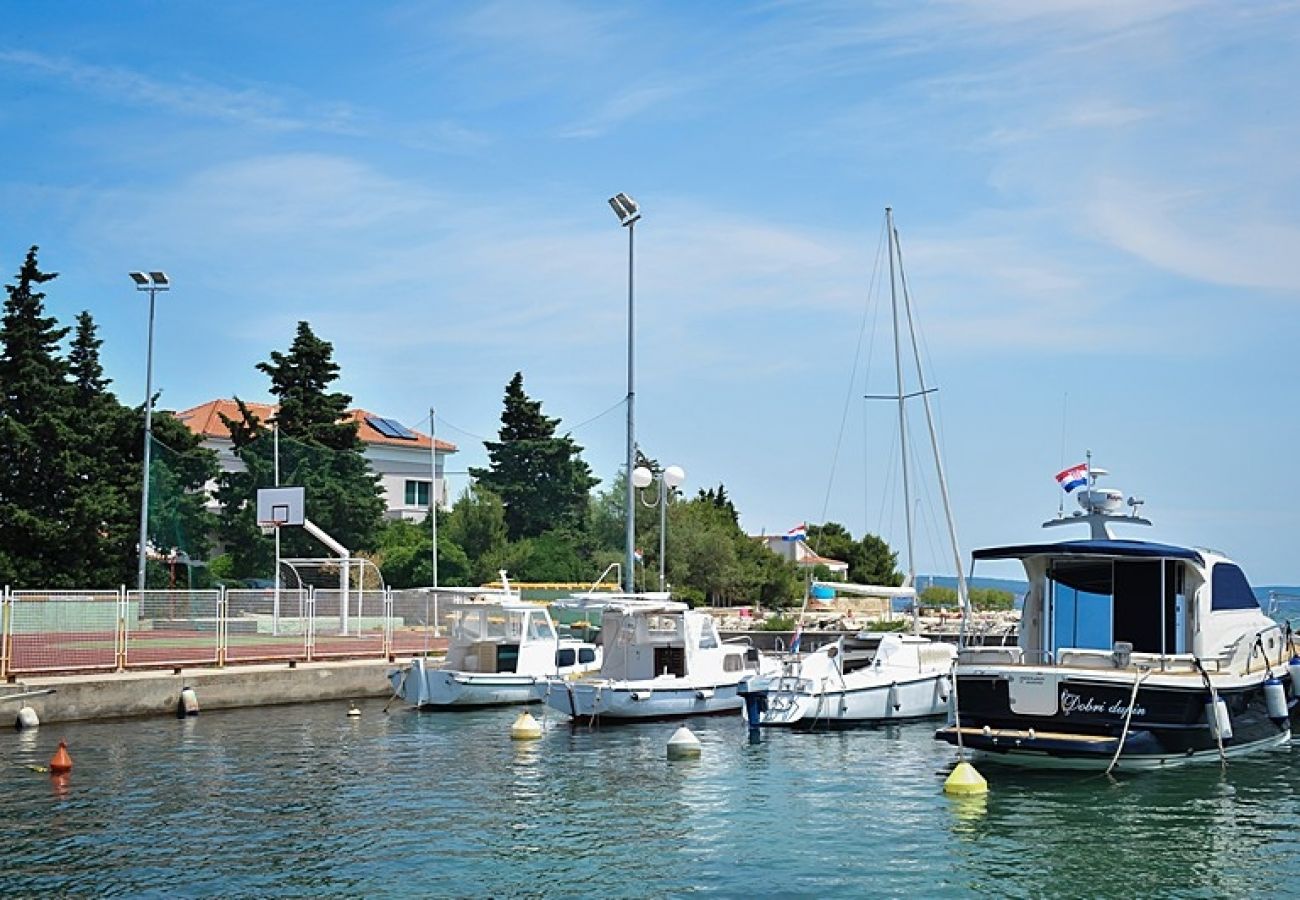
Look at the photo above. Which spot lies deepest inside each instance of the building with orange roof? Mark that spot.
(410, 464)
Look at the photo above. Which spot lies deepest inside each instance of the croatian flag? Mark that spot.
(1073, 477)
(638, 555)
(794, 641)
(797, 533)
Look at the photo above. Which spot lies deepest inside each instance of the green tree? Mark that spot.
(870, 559)
(319, 451)
(540, 477)
(38, 455)
(477, 526)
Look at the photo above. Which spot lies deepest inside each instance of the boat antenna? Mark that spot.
(1065, 415)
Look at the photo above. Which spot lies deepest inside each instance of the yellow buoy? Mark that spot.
(965, 781)
(525, 728)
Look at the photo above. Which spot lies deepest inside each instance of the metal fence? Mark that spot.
(48, 632)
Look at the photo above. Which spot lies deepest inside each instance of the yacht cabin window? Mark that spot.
(1094, 603)
(539, 629)
(1230, 590)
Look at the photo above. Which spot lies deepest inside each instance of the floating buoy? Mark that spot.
(525, 728)
(61, 761)
(188, 704)
(353, 711)
(965, 781)
(1216, 713)
(1275, 697)
(26, 718)
(683, 744)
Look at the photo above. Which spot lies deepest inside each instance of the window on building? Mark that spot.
(417, 493)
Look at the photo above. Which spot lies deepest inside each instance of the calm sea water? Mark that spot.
(302, 801)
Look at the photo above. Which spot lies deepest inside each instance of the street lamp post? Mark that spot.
(628, 213)
(669, 478)
(153, 282)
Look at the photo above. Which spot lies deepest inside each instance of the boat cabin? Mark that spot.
(1108, 602)
(652, 639)
(500, 638)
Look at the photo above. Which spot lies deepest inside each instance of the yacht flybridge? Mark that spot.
(1131, 654)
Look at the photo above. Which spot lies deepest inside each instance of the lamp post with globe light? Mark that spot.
(669, 478)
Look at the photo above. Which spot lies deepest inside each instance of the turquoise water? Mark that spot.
(302, 801)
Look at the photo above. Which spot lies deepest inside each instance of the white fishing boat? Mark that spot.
(662, 660)
(908, 677)
(1131, 654)
(501, 646)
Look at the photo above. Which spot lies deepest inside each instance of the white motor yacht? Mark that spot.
(661, 660)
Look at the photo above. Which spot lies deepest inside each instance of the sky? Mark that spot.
(1096, 202)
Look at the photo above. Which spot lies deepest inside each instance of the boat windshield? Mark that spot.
(1093, 603)
(487, 623)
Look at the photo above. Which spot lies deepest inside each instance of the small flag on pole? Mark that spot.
(1073, 477)
(797, 533)
(638, 555)
(794, 641)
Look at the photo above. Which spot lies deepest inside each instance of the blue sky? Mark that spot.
(1097, 201)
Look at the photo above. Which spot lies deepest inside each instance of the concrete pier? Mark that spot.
(153, 693)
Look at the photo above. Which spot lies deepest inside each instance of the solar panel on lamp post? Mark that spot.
(628, 213)
(153, 283)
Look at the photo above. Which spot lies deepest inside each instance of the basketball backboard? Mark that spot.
(280, 506)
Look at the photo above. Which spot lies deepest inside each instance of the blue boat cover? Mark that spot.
(1129, 549)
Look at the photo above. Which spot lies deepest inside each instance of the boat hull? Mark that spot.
(602, 700)
(430, 688)
(863, 698)
(1169, 724)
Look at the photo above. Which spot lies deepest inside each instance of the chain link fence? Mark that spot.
(49, 632)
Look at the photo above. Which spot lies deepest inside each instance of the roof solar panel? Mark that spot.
(390, 428)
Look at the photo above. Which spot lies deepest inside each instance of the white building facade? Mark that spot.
(410, 465)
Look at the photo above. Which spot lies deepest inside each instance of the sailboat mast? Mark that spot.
(963, 592)
(902, 408)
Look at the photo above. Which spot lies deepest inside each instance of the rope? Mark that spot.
(1214, 701)
(397, 693)
(956, 711)
(1128, 718)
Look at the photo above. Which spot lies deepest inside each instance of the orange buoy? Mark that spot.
(61, 762)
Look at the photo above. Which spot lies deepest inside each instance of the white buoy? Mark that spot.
(683, 744)
(1294, 668)
(188, 705)
(353, 712)
(1275, 697)
(525, 728)
(27, 718)
(1216, 713)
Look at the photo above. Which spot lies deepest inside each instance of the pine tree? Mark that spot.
(36, 455)
(541, 478)
(319, 451)
(102, 518)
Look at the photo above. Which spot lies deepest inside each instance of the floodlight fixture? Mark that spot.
(625, 208)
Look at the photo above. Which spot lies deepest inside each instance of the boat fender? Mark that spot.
(188, 704)
(1294, 668)
(893, 697)
(1275, 697)
(1216, 713)
(26, 718)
